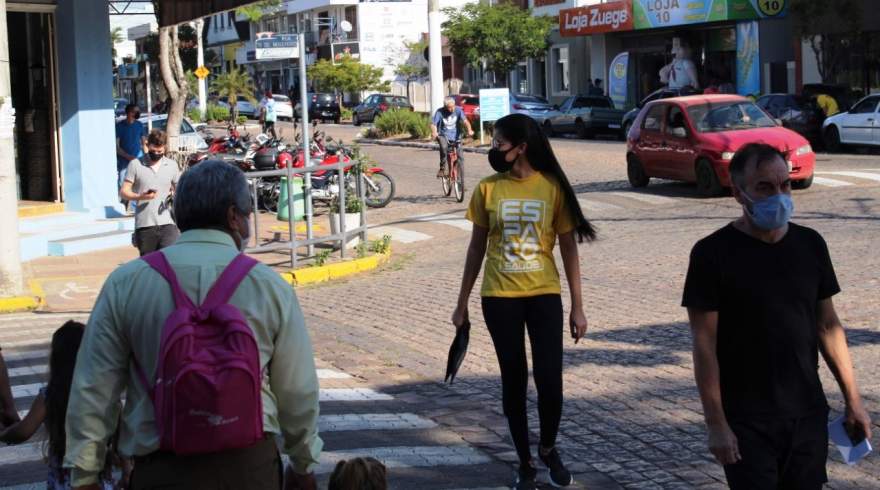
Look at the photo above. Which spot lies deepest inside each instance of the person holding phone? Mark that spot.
(150, 182)
(518, 213)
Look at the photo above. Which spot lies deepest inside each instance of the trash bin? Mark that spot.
(299, 200)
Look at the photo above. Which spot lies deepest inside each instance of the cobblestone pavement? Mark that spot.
(632, 416)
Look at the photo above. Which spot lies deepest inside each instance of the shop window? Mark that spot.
(559, 58)
(522, 78)
(351, 17)
(653, 118)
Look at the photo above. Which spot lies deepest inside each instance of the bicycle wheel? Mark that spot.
(379, 189)
(458, 184)
(445, 181)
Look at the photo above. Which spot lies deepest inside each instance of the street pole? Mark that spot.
(435, 53)
(11, 282)
(149, 96)
(307, 155)
(200, 60)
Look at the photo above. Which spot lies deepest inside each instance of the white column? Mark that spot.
(435, 53)
(11, 283)
(200, 60)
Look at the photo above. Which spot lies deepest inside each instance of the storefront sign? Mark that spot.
(271, 46)
(494, 104)
(618, 76)
(650, 14)
(604, 17)
(544, 3)
(748, 62)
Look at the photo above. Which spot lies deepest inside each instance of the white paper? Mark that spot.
(851, 454)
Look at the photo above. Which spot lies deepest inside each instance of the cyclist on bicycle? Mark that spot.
(446, 129)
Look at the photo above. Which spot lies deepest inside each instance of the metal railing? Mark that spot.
(293, 243)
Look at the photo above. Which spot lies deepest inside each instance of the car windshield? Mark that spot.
(324, 97)
(281, 98)
(399, 100)
(728, 116)
(531, 98)
(471, 101)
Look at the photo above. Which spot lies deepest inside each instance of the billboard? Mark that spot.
(494, 104)
(594, 19)
(650, 14)
(748, 62)
(271, 46)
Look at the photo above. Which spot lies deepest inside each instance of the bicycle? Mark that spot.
(452, 179)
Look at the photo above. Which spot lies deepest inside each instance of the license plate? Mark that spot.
(614, 126)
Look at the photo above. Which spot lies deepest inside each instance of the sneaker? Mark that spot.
(525, 477)
(559, 475)
(442, 172)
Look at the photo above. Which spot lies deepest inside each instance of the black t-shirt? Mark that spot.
(766, 296)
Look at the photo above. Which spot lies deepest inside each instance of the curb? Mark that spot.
(24, 303)
(324, 273)
(407, 144)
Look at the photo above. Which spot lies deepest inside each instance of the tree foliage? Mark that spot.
(831, 28)
(502, 35)
(115, 38)
(255, 11)
(347, 75)
(235, 84)
(415, 66)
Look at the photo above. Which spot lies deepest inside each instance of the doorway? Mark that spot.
(34, 97)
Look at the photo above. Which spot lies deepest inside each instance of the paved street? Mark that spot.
(632, 417)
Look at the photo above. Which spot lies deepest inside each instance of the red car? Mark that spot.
(470, 104)
(694, 138)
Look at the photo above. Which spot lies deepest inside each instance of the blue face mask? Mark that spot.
(771, 212)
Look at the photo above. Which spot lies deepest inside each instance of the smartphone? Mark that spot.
(152, 191)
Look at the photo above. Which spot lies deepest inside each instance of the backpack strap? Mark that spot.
(159, 262)
(228, 282)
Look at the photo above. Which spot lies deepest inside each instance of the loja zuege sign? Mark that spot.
(603, 17)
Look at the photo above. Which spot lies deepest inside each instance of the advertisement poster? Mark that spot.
(748, 63)
(494, 103)
(650, 14)
(617, 80)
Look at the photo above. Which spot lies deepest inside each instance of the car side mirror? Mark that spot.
(679, 132)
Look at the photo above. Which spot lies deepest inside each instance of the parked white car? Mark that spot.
(190, 139)
(283, 107)
(245, 108)
(858, 126)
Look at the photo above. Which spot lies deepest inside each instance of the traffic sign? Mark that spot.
(271, 46)
(202, 72)
(494, 104)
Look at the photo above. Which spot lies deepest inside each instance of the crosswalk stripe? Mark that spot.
(451, 219)
(24, 343)
(331, 374)
(24, 391)
(10, 334)
(352, 395)
(28, 370)
(830, 182)
(858, 175)
(407, 456)
(22, 453)
(591, 205)
(646, 198)
(27, 355)
(399, 234)
(27, 486)
(373, 421)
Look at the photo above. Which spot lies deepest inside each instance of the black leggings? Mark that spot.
(507, 319)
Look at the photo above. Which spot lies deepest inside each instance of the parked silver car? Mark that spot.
(585, 115)
(533, 106)
(190, 138)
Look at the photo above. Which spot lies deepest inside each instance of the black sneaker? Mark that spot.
(525, 477)
(559, 475)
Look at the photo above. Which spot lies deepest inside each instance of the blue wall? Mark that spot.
(85, 82)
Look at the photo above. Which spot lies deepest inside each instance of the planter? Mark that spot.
(352, 221)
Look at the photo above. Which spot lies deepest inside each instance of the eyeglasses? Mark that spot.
(496, 145)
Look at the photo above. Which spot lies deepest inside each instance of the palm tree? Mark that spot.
(115, 38)
(233, 85)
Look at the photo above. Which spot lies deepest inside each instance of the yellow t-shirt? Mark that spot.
(523, 216)
(827, 104)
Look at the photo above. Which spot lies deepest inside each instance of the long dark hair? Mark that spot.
(62, 359)
(358, 474)
(518, 129)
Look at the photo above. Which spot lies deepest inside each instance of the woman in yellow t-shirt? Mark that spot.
(517, 215)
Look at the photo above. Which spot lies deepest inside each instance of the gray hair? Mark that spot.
(759, 153)
(448, 100)
(205, 193)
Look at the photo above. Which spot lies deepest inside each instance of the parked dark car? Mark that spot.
(376, 104)
(585, 115)
(321, 106)
(798, 113)
(663, 93)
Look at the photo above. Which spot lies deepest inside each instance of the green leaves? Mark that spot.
(347, 75)
(234, 85)
(501, 35)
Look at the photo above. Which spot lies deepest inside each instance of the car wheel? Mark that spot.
(582, 131)
(626, 127)
(635, 172)
(707, 180)
(803, 184)
(355, 120)
(832, 139)
(548, 129)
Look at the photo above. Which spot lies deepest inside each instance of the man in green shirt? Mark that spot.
(213, 209)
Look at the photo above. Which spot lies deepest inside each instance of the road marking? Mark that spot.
(452, 219)
(373, 421)
(22, 453)
(830, 182)
(331, 374)
(352, 395)
(399, 234)
(28, 370)
(27, 486)
(647, 198)
(597, 206)
(26, 343)
(407, 456)
(858, 175)
(82, 292)
(25, 355)
(24, 391)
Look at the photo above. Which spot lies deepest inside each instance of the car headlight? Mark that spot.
(727, 155)
(804, 150)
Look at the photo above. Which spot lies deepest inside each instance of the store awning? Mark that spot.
(172, 12)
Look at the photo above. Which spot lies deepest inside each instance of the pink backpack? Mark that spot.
(207, 393)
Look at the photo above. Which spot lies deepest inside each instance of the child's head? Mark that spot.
(358, 474)
(62, 359)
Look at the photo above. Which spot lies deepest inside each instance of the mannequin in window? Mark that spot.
(682, 72)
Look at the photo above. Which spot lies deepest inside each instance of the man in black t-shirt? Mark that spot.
(758, 294)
